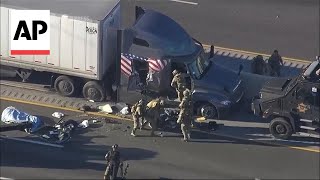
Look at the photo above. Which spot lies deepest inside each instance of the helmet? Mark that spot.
(115, 146)
(161, 102)
(175, 72)
(186, 92)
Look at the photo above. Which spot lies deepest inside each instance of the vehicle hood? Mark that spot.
(158, 36)
(218, 78)
(274, 89)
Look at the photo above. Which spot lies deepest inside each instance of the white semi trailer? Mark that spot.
(83, 45)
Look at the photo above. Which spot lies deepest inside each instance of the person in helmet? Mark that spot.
(179, 83)
(186, 115)
(138, 111)
(113, 158)
(258, 65)
(152, 115)
(275, 62)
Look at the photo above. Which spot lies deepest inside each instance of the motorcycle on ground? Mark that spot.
(168, 120)
(59, 133)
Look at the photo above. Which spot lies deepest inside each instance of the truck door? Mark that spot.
(302, 104)
(137, 80)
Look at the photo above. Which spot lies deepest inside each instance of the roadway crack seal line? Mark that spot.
(31, 141)
(256, 53)
(121, 118)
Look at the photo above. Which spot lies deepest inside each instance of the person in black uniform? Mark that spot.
(113, 161)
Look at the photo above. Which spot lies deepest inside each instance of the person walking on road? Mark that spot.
(275, 62)
(138, 111)
(113, 163)
(179, 83)
(186, 115)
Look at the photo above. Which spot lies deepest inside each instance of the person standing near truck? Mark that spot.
(138, 111)
(258, 66)
(275, 62)
(179, 83)
(152, 115)
(185, 115)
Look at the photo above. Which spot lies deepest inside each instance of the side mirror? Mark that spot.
(211, 52)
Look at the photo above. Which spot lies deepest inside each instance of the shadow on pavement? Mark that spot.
(80, 153)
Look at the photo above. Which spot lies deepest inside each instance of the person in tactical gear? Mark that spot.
(275, 62)
(138, 111)
(113, 161)
(179, 83)
(258, 65)
(186, 115)
(152, 115)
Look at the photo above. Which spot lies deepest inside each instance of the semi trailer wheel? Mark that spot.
(92, 90)
(65, 86)
(280, 128)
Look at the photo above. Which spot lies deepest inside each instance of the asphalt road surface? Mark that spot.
(206, 157)
(291, 26)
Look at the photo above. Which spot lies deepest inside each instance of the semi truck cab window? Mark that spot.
(198, 67)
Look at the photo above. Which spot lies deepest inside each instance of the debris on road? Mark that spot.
(58, 115)
(84, 124)
(121, 105)
(106, 108)
(11, 115)
(124, 111)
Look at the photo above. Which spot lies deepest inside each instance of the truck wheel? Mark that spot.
(92, 90)
(280, 128)
(208, 111)
(65, 86)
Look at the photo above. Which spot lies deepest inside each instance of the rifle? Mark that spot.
(125, 171)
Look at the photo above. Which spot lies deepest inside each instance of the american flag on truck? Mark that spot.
(155, 65)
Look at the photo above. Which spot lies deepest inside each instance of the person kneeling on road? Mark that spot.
(138, 111)
(185, 115)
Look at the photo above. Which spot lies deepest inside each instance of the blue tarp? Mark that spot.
(13, 115)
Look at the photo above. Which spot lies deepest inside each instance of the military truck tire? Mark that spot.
(92, 90)
(208, 111)
(280, 128)
(65, 86)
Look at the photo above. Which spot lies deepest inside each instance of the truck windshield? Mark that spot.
(198, 66)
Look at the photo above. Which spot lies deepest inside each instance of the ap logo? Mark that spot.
(30, 32)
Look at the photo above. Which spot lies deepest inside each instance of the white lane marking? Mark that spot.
(185, 2)
(4, 178)
(34, 142)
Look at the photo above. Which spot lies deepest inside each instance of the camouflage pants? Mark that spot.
(185, 128)
(180, 95)
(152, 118)
(136, 124)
